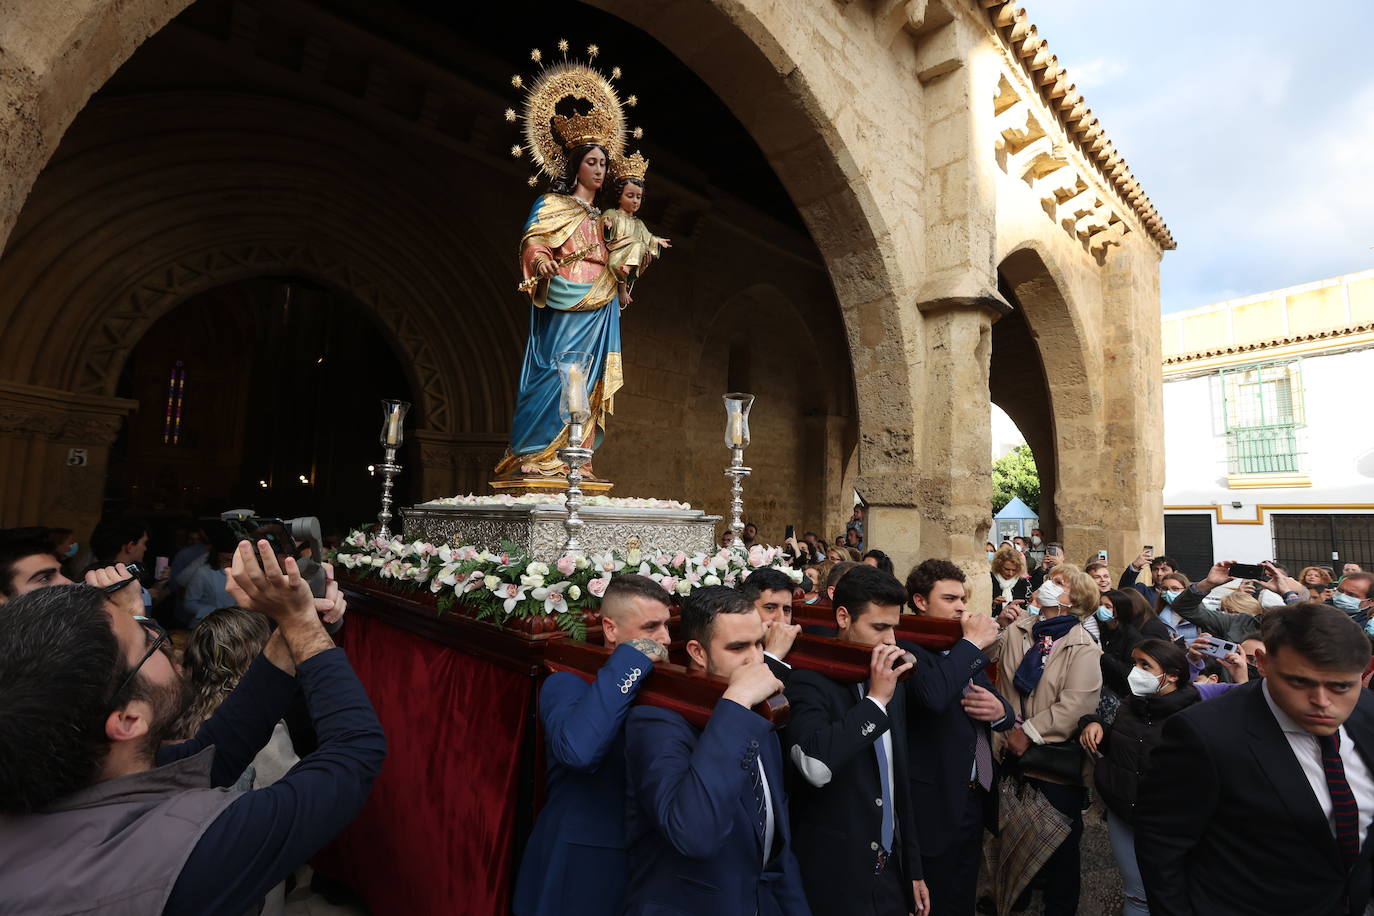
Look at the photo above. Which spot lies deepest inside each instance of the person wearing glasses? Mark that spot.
(95, 807)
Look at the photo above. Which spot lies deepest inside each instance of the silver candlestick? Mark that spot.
(574, 456)
(393, 434)
(389, 469)
(737, 472)
(737, 406)
(574, 406)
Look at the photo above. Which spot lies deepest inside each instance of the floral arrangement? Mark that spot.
(558, 499)
(500, 585)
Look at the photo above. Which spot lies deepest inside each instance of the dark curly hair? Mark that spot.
(923, 577)
(61, 667)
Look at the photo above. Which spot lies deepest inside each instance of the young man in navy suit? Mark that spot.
(952, 711)
(575, 860)
(855, 837)
(771, 592)
(1260, 801)
(707, 823)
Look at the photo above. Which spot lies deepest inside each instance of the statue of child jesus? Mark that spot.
(631, 245)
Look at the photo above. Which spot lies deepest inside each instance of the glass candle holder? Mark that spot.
(574, 401)
(393, 422)
(737, 406)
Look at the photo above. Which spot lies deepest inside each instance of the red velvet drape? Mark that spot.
(436, 834)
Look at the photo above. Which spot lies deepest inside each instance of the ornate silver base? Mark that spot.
(540, 530)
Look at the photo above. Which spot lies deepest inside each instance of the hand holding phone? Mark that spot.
(1215, 647)
(1249, 571)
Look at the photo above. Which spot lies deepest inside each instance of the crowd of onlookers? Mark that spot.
(1204, 715)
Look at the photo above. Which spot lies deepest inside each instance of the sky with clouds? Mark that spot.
(1249, 124)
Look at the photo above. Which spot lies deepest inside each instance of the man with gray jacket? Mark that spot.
(98, 816)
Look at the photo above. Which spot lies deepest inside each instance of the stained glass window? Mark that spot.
(176, 395)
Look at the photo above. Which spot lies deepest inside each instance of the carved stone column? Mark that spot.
(946, 510)
(54, 449)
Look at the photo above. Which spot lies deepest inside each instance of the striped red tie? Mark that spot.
(1344, 811)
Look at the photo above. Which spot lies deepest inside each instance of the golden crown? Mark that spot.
(581, 129)
(549, 136)
(630, 167)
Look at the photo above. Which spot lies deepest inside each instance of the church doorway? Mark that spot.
(257, 394)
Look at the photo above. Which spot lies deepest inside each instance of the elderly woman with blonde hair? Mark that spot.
(1049, 670)
(1009, 582)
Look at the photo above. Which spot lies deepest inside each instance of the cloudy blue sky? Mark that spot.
(1250, 125)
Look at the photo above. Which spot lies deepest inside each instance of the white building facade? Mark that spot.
(1269, 441)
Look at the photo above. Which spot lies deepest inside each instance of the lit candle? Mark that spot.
(577, 392)
(737, 429)
(393, 428)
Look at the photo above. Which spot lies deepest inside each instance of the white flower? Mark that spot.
(685, 586)
(583, 563)
(448, 574)
(719, 563)
(445, 554)
(634, 556)
(490, 583)
(574, 593)
(711, 580)
(532, 581)
(552, 597)
(377, 561)
(537, 569)
(512, 594)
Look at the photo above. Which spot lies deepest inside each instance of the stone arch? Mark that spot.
(752, 61)
(154, 216)
(1056, 406)
(778, 338)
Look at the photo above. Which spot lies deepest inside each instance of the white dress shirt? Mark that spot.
(1309, 756)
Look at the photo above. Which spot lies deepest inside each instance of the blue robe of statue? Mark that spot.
(577, 309)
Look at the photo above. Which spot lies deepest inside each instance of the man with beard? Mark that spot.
(94, 808)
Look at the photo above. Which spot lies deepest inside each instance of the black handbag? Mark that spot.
(1060, 761)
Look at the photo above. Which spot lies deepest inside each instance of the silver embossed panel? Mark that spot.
(539, 529)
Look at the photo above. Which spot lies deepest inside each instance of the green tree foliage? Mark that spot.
(1014, 474)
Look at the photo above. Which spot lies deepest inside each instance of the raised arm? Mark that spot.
(266, 834)
(581, 721)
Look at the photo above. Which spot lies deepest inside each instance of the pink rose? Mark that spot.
(598, 586)
(566, 565)
(757, 557)
(680, 560)
(669, 584)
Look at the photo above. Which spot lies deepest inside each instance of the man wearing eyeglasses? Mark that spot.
(97, 815)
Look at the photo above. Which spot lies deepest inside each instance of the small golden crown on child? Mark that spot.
(630, 167)
(582, 129)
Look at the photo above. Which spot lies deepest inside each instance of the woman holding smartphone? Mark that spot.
(1161, 686)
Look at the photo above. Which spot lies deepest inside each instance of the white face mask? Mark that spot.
(1035, 541)
(1049, 593)
(1142, 682)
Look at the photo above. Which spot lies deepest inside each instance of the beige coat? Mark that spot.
(1067, 691)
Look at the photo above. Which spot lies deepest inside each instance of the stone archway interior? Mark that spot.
(258, 394)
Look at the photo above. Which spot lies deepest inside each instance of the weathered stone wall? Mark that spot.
(174, 183)
(932, 147)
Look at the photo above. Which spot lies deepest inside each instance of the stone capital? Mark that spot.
(33, 412)
(940, 296)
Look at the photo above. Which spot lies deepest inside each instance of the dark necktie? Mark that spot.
(982, 755)
(888, 825)
(1344, 810)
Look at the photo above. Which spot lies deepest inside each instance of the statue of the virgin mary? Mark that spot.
(574, 302)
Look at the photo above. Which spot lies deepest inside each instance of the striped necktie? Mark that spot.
(1344, 810)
